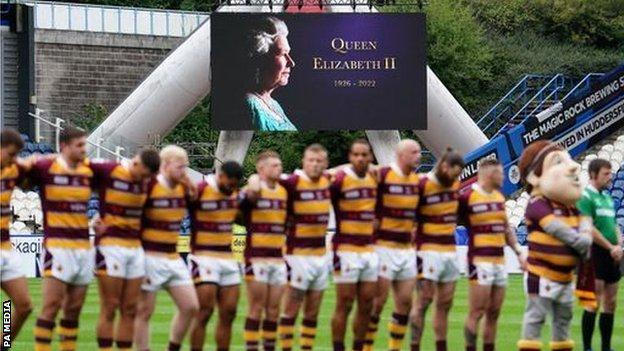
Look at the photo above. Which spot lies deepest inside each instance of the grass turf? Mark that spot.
(508, 331)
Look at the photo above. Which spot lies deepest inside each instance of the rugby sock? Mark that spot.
(105, 344)
(269, 335)
(588, 323)
(606, 330)
(286, 330)
(566, 345)
(488, 347)
(415, 347)
(68, 333)
(339, 346)
(471, 348)
(124, 345)
(173, 346)
(308, 333)
(252, 334)
(441, 345)
(43, 335)
(529, 345)
(397, 328)
(370, 334)
(358, 345)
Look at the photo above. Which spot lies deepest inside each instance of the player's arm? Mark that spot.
(190, 187)
(586, 206)
(511, 239)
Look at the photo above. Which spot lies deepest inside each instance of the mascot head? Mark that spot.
(547, 169)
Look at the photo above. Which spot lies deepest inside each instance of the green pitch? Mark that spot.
(508, 332)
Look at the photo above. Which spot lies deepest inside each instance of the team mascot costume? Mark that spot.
(558, 241)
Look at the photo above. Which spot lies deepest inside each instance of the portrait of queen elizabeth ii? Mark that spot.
(269, 65)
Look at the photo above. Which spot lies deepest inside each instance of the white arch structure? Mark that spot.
(182, 80)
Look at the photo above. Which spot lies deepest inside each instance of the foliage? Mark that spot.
(93, 114)
(594, 22)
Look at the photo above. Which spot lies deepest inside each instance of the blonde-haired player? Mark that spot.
(164, 268)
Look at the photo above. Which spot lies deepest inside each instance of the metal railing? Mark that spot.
(504, 106)
(57, 125)
(585, 83)
(114, 19)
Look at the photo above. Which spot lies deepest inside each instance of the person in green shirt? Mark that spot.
(606, 251)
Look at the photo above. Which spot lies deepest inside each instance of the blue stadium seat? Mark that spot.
(617, 194)
(616, 204)
(32, 147)
(620, 212)
(618, 183)
(461, 235)
(25, 137)
(522, 234)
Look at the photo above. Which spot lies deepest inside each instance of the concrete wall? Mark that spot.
(74, 69)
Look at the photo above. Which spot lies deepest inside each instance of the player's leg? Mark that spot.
(207, 296)
(128, 310)
(402, 291)
(365, 295)
(185, 298)
(379, 301)
(111, 290)
(145, 309)
(425, 292)
(311, 308)
(562, 318)
(257, 294)
(478, 300)
(588, 322)
(17, 290)
(444, 301)
(272, 312)
(536, 310)
(293, 300)
(53, 294)
(497, 297)
(72, 306)
(609, 300)
(345, 296)
(228, 301)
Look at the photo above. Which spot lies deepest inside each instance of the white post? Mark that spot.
(57, 137)
(37, 125)
(98, 148)
(118, 150)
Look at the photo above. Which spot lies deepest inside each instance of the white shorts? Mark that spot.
(165, 272)
(10, 265)
(396, 264)
(485, 273)
(441, 267)
(308, 272)
(71, 266)
(214, 270)
(353, 267)
(120, 262)
(268, 272)
(546, 288)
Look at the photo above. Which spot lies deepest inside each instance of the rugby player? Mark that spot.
(308, 267)
(68, 256)
(120, 261)
(12, 280)
(438, 268)
(164, 210)
(396, 210)
(354, 197)
(216, 273)
(263, 203)
(482, 210)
